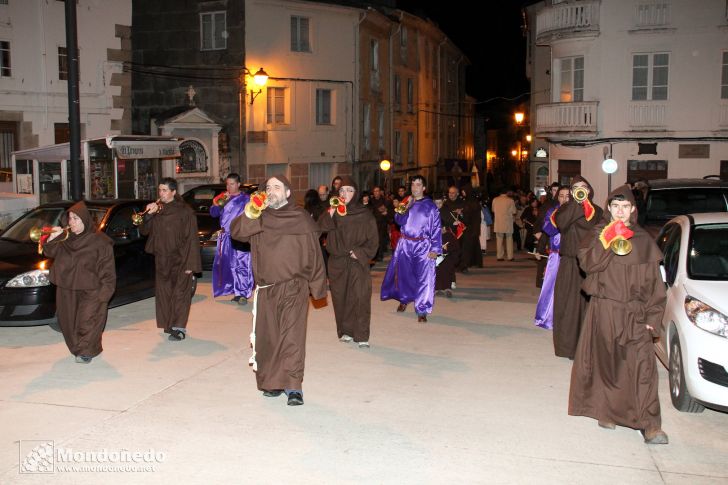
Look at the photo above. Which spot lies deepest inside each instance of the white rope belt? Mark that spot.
(252, 362)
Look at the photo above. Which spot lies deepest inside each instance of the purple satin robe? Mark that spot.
(545, 307)
(410, 276)
(232, 272)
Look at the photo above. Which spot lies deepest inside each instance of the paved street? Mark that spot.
(473, 396)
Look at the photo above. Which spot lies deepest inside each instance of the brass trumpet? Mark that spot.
(257, 204)
(36, 235)
(335, 202)
(402, 207)
(137, 218)
(580, 194)
(621, 247)
(221, 199)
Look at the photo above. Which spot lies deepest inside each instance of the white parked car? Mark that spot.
(693, 342)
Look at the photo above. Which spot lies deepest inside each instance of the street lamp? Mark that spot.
(385, 165)
(609, 166)
(260, 78)
(519, 117)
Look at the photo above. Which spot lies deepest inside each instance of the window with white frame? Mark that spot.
(323, 107)
(213, 31)
(572, 79)
(300, 34)
(649, 76)
(724, 77)
(410, 148)
(410, 95)
(380, 129)
(319, 174)
(374, 63)
(276, 106)
(367, 129)
(397, 145)
(397, 93)
(4, 58)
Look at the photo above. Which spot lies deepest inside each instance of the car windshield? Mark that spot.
(709, 252)
(47, 216)
(200, 198)
(665, 204)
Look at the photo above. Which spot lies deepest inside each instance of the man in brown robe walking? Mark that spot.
(173, 240)
(352, 241)
(575, 221)
(85, 277)
(614, 377)
(287, 265)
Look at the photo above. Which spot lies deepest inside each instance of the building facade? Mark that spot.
(34, 78)
(642, 82)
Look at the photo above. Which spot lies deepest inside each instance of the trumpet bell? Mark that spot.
(251, 211)
(580, 194)
(334, 202)
(35, 234)
(621, 247)
(137, 218)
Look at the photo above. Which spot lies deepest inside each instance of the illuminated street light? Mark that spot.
(514, 153)
(385, 165)
(519, 117)
(529, 138)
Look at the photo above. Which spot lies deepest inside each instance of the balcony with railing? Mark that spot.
(648, 115)
(577, 19)
(655, 14)
(567, 118)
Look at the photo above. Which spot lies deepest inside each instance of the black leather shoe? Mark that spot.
(422, 319)
(295, 399)
(273, 393)
(242, 300)
(176, 335)
(402, 307)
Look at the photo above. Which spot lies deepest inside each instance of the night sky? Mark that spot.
(492, 41)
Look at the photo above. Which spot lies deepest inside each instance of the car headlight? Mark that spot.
(31, 279)
(706, 317)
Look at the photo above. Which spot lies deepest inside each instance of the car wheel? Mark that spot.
(681, 398)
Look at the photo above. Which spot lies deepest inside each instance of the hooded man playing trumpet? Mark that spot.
(614, 377)
(574, 220)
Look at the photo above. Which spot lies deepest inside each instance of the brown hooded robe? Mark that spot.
(85, 277)
(614, 377)
(174, 242)
(569, 300)
(349, 278)
(287, 265)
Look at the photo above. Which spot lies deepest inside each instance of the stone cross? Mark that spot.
(191, 94)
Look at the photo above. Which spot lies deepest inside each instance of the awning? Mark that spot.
(50, 153)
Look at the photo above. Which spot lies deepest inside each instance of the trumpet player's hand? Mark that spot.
(152, 208)
(188, 271)
(55, 232)
(331, 211)
(352, 255)
(432, 255)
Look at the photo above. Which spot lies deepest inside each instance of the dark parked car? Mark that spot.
(668, 198)
(200, 199)
(28, 298)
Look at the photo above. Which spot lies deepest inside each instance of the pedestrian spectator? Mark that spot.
(447, 263)
(352, 240)
(487, 221)
(640, 190)
(323, 193)
(614, 377)
(504, 211)
(365, 199)
(84, 274)
(313, 204)
(231, 270)
(529, 216)
(172, 229)
(410, 275)
(335, 186)
(470, 254)
(384, 214)
(288, 267)
(575, 220)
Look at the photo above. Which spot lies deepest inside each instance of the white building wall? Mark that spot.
(35, 30)
(695, 38)
(333, 58)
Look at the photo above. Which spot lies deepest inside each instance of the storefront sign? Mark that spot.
(142, 149)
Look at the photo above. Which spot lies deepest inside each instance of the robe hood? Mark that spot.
(579, 178)
(80, 209)
(626, 192)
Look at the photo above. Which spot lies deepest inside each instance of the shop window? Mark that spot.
(646, 170)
